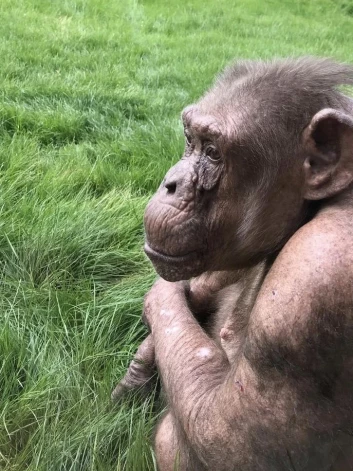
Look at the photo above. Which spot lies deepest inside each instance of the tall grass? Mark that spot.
(90, 96)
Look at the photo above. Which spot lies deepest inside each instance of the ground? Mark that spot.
(90, 96)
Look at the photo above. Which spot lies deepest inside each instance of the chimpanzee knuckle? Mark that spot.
(157, 288)
(152, 294)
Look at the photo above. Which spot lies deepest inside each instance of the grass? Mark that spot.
(90, 97)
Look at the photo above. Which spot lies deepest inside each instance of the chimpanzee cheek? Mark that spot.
(209, 175)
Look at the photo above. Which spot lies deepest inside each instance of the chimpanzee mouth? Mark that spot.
(157, 256)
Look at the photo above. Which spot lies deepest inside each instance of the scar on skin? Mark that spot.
(203, 352)
(166, 313)
(226, 334)
(239, 385)
(172, 330)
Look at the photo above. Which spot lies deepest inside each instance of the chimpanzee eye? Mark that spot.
(212, 154)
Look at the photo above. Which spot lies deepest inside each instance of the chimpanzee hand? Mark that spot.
(140, 373)
(164, 297)
(141, 370)
(200, 293)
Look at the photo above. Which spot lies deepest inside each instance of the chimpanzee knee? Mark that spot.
(166, 444)
(172, 453)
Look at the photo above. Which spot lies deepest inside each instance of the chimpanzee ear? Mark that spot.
(328, 143)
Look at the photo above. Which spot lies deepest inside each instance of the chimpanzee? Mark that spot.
(264, 191)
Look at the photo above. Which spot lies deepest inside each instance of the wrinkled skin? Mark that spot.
(140, 373)
(265, 186)
(205, 295)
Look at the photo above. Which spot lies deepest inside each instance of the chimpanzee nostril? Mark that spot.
(171, 187)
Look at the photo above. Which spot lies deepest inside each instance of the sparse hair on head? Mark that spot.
(312, 74)
(279, 97)
(305, 82)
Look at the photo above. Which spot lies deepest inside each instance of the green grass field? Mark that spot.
(91, 93)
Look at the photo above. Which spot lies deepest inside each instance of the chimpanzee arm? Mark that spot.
(201, 300)
(282, 404)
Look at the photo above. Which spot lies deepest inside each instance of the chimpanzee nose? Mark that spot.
(178, 181)
(171, 186)
(173, 179)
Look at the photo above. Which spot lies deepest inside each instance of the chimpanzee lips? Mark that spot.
(176, 267)
(157, 256)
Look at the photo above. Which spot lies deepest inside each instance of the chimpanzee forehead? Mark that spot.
(204, 122)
